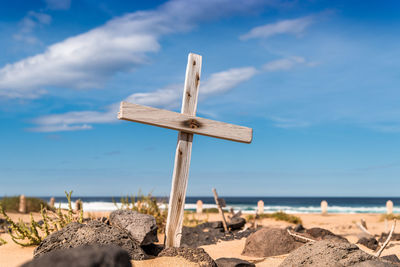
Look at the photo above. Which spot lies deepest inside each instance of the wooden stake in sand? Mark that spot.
(389, 207)
(52, 200)
(78, 205)
(324, 207)
(199, 207)
(219, 206)
(22, 204)
(187, 124)
(260, 207)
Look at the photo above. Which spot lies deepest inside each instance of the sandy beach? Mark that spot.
(12, 255)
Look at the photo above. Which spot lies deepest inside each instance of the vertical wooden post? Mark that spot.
(78, 205)
(199, 207)
(221, 212)
(183, 153)
(22, 204)
(260, 207)
(324, 207)
(52, 200)
(389, 207)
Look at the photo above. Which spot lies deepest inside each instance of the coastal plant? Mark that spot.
(146, 204)
(279, 216)
(33, 204)
(189, 219)
(389, 217)
(32, 233)
(210, 210)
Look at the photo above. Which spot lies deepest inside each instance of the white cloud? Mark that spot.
(166, 97)
(290, 26)
(283, 64)
(60, 128)
(226, 80)
(89, 59)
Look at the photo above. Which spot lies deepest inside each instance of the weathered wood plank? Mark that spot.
(183, 122)
(183, 152)
(221, 212)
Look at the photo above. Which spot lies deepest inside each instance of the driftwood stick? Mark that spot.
(220, 210)
(378, 254)
(362, 228)
(300, 236)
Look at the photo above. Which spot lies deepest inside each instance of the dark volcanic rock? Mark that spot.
(331, 253)
(4, 226)
(392, 258)
(214, 225)
(153, 249)
(209, 233)
(141, 227)
(369, 242)
(93, 233)
(322, 234)
(384, 236)
(299, 228)
(236, 223)
(270, 242)
(233, 262)
(197, 255)
(374, 263)
(87, 256)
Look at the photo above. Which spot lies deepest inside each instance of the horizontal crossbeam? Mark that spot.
(185, 123)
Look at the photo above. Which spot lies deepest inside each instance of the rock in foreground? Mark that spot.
(270, 242)
(141, 227)
(369, 242)
(331, 253)
(196, 255)
(317, 233)
(209, 233)
(88, 256)
(233, 262)
(93, 233)
(236, 223)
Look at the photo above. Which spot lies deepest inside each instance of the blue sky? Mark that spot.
(318, 81)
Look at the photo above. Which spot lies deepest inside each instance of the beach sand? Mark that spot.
(12, 254)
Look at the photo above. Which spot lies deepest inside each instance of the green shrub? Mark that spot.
(279, 216)
(211, 210)
(11, 204)
(389, 217)
(32, 234)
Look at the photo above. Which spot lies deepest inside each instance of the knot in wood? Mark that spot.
(192, 123)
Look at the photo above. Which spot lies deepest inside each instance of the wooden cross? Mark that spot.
(187, 124)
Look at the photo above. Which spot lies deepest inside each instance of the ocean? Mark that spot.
(249, 204)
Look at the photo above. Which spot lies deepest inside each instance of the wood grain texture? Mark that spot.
(173, 232)
(185, 123)
(221, 212)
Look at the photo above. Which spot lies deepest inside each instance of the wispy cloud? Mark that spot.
(61, 128)
(28, 24)
(289, 26)
(287, 123)
(58, 4)
(166, 97)
(283, 64)
(88, 60)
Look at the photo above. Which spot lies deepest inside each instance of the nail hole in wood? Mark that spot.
(191, 123)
